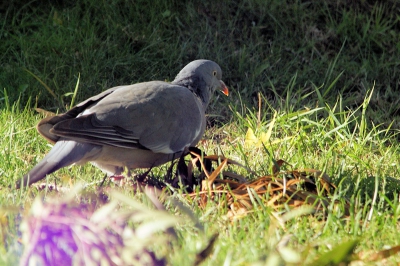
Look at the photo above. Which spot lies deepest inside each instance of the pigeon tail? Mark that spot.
(63, 153)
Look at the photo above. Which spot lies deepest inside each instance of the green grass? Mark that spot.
(326, 138)
(326, 73)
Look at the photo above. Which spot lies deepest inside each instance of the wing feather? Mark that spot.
(154, 115)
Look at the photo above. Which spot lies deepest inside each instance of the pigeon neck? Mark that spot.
(197, 86)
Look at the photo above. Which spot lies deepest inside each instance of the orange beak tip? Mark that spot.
(224, 88)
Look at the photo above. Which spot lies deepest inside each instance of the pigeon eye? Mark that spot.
(214, 73)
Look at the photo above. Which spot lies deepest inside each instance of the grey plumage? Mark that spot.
(134, 126)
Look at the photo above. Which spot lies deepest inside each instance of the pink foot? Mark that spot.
(116, 178)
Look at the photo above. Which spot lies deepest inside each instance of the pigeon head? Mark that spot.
(202, 77)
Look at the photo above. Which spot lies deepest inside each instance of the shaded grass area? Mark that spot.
(259, 44)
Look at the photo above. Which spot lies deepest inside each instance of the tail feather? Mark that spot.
(63, 153)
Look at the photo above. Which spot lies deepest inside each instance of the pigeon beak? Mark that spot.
(224, 88)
